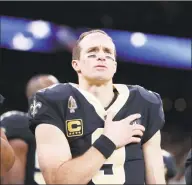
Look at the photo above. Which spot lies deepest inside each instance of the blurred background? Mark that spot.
(153, 41)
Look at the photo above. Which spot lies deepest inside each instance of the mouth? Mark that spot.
(101, 66)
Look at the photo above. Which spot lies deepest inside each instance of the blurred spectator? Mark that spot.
(170, 165)
(178, 144)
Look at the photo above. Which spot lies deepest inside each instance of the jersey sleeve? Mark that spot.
(44, 110)
(155, 117)
(16, 126)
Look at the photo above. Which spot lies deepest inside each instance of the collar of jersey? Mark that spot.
(123, 95)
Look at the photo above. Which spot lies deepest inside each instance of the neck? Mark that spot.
(102, 91)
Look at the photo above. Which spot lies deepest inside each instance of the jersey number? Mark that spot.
(38, 177)
(115, 161)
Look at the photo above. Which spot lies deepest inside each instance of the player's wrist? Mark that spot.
(104, 145)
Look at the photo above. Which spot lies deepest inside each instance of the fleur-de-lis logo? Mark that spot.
(34, 107)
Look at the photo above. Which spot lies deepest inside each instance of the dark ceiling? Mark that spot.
(170, 18)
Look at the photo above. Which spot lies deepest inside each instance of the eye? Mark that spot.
(110, 57)
(92, 56)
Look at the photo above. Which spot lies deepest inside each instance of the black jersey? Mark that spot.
(80, 116)
(16, 126)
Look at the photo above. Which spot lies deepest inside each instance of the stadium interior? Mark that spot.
(153, 50)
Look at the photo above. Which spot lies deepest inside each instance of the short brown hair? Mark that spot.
(38, 82)
(77, 48)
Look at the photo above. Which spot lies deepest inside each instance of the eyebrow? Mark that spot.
(91, 49)
(95, 48)
(107, 50)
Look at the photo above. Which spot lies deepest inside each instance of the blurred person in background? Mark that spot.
(7, 156)
(188, 168)
(98, 132)
(178, 143)
(179, 177)
(16, 125)
(169, 166)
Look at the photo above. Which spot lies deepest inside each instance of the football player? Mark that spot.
(16, 125)
(169, 166)
(7, 156)
(188, 169)
(97, 132)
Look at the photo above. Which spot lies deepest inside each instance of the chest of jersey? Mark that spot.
(84, 123)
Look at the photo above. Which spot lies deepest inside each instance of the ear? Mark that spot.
(75, 65)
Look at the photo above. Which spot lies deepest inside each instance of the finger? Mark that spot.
(109, 116)
(138, 127)
(135, 140)
(137, 133)
(136, 121)
(132, 118)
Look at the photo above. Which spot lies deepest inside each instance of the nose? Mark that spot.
(101, 56)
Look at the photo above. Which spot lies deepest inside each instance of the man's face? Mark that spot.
(97, 58)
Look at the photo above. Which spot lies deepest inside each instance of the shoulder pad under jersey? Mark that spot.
(13, 114)
(148, 95)
(55, 92)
